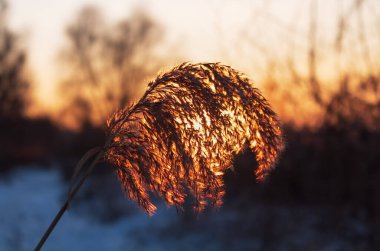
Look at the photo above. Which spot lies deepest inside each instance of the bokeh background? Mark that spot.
(66, 66)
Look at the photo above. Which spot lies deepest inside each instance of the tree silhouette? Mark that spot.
(13, 85)
(106, 63)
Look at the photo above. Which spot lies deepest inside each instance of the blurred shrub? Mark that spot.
(106, 64)
(13, 84)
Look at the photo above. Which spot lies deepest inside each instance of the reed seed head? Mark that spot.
(183, 134)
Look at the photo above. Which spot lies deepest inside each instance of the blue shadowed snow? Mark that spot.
(30, 198)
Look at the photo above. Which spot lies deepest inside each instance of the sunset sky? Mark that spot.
(199, 30)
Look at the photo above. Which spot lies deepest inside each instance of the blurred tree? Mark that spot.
(13, 85)
(106, 64)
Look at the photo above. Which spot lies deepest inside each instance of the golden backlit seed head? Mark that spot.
(183, 134)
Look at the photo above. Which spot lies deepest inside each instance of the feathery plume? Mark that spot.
(182, 135)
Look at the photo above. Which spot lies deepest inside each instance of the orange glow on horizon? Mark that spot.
(261, 39)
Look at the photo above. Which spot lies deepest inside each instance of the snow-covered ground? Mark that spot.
(30, 198)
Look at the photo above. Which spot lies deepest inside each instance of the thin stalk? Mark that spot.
(75, 189)
(67, 202)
